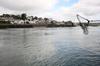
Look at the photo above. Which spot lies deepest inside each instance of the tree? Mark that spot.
(46, 19)
(35, 18)
(6, 15)
(23, 16)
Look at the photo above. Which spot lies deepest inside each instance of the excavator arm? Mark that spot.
(88, 21)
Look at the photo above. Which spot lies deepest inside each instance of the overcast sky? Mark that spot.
(56, 9)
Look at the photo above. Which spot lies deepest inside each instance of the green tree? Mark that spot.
(46, 19)
(23, 17)
(35, 17)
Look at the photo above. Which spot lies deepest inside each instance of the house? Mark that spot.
(30, 18)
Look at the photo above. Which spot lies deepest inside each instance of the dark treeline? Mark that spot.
(22, 16)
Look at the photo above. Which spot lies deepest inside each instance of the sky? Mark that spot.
(55, 9)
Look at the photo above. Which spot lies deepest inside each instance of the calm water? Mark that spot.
(50, 47)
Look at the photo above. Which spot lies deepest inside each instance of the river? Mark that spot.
(67, 46)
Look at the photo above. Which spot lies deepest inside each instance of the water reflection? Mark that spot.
(49, 47)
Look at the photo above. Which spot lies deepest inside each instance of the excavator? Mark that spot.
(85, 25)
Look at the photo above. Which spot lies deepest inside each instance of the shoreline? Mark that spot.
(4, 26)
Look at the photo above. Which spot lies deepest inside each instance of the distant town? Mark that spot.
(22, 21)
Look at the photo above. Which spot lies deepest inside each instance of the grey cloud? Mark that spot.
(22, 5)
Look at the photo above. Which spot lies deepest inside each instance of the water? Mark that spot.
(50, 47)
